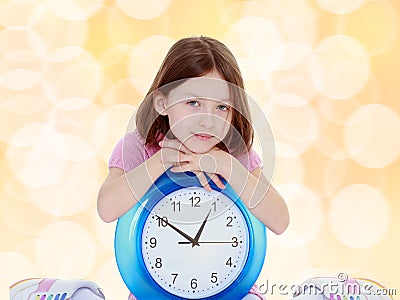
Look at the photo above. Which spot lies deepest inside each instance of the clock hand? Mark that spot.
(192, 241)
(209, 242)
(197, 237)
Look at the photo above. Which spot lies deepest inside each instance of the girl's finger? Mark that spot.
(218, 182)
(178, 158)
(203, 180)
(184, 167)
(173, 144)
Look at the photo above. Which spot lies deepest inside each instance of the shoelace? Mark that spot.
(344, 297)
(50, 297)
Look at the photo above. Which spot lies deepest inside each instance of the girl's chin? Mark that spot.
(198, 147)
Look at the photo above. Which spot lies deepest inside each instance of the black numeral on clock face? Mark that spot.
(158, 263)
(235, 242)
(214, 204)
(174, 276)
(229, 262)
(162, 221)
(195, 201)
(153, 242)
(214, 277)
(176, 205)
(193, 283)
(229, 220)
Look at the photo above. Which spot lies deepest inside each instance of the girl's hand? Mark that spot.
(170, 151)
(175, 153)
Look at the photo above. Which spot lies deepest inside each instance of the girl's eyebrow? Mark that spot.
(191, 95)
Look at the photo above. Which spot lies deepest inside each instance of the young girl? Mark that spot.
(194, 119)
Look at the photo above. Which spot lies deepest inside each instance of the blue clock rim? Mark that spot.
(128, 226)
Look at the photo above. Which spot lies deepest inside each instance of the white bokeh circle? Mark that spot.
(14, 207)
(253, 39)
(16, 14)
(289, 167)
(19, 79)
(15, 266)
(78, 69)
(341, 6)
(108, 128)
(369, 136)
(19, 110)
(359, 216)
(74, 193)
(143, 10)
(330, 148)
(74, 121)
(296, 124)
(121, 92)
(306, 214)
(115, 55)
(145, 59)
(55, 31)
(288, 55)
(76, 10)
(65, 249)
(293, 81)
(31, 156)
(338, 112)
(340, 67)
(22, 48)
(72, 147)
(298, 20)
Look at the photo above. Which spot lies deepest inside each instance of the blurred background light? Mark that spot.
(325, 73)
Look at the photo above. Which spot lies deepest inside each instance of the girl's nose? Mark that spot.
(207, 120)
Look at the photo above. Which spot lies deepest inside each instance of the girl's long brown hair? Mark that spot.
(194, 57)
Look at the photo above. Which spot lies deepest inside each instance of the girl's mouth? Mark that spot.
(203, 136)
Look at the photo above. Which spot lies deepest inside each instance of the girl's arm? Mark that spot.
(260, 197)
(120, 191)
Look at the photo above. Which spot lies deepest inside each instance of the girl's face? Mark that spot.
(199, 111)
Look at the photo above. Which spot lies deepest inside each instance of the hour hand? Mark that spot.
(186, 236)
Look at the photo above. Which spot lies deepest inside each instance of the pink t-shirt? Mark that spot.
(130, 152)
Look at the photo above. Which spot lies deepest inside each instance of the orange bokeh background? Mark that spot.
(326, 74)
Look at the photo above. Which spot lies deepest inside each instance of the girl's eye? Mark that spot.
(223, 107)
(193, 103)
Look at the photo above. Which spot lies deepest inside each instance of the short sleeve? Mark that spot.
(128, 153)
(250, 160)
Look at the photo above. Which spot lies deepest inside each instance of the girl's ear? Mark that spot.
(160, 103)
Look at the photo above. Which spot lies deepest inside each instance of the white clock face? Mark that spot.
(195, 242)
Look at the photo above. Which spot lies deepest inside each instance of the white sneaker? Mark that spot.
(55, 289)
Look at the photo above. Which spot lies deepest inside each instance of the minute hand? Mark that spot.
(207, 242)
(197, 237)
(189, 238)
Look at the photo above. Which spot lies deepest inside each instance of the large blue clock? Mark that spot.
(181, 241)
